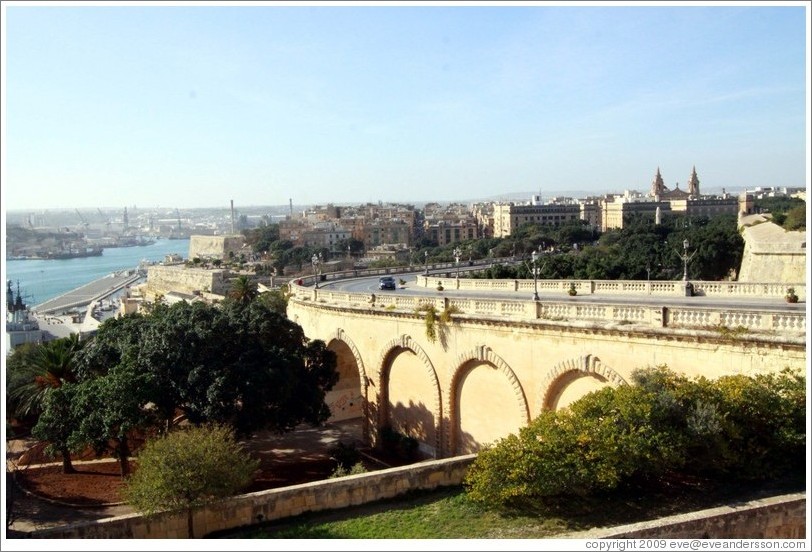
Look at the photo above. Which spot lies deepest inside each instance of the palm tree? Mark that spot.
(243, 290)
(49, 366)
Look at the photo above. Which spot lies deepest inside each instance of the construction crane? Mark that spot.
(106, 219)
(85, 225)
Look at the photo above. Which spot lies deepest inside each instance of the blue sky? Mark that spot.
(194, 106)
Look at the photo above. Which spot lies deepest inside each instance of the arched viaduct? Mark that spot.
(497, 364)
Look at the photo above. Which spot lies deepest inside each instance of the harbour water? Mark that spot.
(41, 280)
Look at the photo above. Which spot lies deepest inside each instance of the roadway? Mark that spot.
(369, 284)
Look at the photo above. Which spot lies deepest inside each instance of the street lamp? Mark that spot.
(316, 260)
(457, 254)
(426, 256)
(535, 277)
(685, 259)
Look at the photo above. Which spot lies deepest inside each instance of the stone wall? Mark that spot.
(273, 504)
(779, 517)
(498, 364)
(214, 247)
(771, 254)
(162, 279)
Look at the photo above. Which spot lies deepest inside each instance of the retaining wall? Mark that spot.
(777, 517)
(273, 504)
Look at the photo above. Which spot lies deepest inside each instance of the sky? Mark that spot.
(194, 105)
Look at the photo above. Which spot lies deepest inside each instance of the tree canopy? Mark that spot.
(242, 364)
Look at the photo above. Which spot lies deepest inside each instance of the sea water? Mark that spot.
(41, 280)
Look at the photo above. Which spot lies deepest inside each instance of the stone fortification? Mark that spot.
(180, 278)
(771, 254)
(215, 247)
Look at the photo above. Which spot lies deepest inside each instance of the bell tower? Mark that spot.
(657, 185)
(693, 185)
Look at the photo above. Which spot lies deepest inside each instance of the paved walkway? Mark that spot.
(30, 513)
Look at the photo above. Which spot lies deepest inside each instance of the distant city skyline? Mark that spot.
(191, 106)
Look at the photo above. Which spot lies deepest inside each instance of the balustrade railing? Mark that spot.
(769, 318)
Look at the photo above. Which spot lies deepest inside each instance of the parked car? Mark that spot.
(387, 282)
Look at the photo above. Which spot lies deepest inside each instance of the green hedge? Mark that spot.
(736, 426)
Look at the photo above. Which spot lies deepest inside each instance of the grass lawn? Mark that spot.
(448, 514)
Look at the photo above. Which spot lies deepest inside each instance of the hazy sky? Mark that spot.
(193, 106)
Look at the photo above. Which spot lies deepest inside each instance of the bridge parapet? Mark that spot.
(674, 288)
(721, 318)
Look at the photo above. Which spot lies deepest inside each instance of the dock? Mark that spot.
(85, 295)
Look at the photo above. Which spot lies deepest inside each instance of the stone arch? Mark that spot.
(586, 365)
(341, 336)
(463, 364)
(405, 342)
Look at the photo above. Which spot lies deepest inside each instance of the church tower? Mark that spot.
(657, 185)
(693, 185)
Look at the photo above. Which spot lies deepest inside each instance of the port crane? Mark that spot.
(85, 224)
(106, 219)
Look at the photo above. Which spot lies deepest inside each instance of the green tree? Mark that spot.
(276, 299)
(107, 410)
(243, 290)
(262, 239)
(21, 393)
(35, 369)
(57, 423)
(796, 218)
(241, 364)
(189, 468)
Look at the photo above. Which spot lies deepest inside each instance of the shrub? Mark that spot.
(341, 471)
(188, 468)
(344, 455)
(735, 427)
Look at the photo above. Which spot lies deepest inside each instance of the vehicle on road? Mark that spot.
(387, 282)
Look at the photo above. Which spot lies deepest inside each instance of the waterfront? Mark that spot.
(41, 280)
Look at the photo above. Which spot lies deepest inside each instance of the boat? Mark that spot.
(20, 326)
(73, 253)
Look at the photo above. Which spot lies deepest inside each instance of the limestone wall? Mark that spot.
(771, 254)
(780, 517)
(180, 278)
(494, 367)
(214, 247)
(273, 504)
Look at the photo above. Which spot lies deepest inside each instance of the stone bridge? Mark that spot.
(499, 362)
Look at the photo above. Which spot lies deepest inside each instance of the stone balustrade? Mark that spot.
(767, 319)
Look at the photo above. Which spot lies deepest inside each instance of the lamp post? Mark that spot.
(457, 254)
(426, 257)
(685, 259)
(316, 260)
(535, 276)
